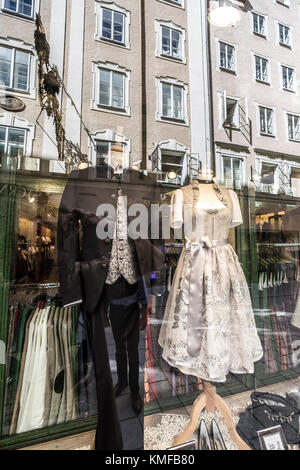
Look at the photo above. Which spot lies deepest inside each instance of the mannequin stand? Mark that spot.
(211, 401)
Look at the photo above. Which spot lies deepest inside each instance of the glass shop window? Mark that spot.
(49, 372)
(278, 236)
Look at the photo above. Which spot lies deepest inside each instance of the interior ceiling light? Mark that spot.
(225, 13)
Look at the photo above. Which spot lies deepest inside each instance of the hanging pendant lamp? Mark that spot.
(225, 13)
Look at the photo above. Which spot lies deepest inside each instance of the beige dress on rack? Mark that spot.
(208, 329)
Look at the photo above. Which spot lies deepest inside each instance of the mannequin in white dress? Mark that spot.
(208, 328)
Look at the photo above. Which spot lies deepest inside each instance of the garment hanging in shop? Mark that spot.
(49, 376)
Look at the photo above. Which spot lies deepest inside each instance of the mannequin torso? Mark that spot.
(208, 198)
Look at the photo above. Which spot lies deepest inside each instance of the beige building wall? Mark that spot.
(19, 32)
(243, 85)
(72, 29)
(158, 67)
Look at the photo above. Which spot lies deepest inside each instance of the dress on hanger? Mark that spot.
(208, 329)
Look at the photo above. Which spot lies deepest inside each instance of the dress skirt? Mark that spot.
(229, 338)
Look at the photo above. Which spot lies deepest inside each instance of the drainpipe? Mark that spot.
(210, 93)
(143, 86)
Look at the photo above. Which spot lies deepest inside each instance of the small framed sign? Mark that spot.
(272, 439)
(191, 445)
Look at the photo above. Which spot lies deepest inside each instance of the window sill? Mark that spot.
(168, 120)
(110, 109)
(263, 36)
(287, 46)
(14, 90)
(112, 42)
(289, 91)
(170, 57)
(223, 69)
(26, 95)
(264, 134)
(232, 126)
(294, 141)
(262, 82)
(172, 4)
(17, 15)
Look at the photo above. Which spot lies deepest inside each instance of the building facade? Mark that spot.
(133, 75)
(255, 74)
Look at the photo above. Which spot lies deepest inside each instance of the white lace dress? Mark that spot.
(208, 329)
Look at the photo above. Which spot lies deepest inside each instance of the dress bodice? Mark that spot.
(201, 220)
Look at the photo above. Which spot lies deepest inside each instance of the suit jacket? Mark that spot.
(83, 257)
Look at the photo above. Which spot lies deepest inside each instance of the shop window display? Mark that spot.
(49, 376)
(149, 224)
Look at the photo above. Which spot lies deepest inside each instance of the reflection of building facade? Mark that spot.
(138, 73)
(256, 107)
(131, 72)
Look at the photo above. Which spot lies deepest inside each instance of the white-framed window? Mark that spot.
(259, 23)
(12, 142)
(262, 69)
(111, 147)
(111, 152)
(25, 8)
(233, 111)
(17, 67)
(16, 139)
(288, 78)
(232, 118)
(174, 3)
(266, 120)
(111, 88)
(112, 24)
(295, 180)
(284, 35)
(293, 127)
(14, 68)
(269, 177)
(232, 172)
(172, 101)
(170, 41)
(172, 162)
(227, 56)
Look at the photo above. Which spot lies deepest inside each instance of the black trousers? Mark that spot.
(124, 314)
(108, 434)
(125, 322)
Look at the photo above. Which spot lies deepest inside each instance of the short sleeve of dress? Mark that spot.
(237, 218)
(176, 213)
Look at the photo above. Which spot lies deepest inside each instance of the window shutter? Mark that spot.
(224, 102)
(243, 112)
